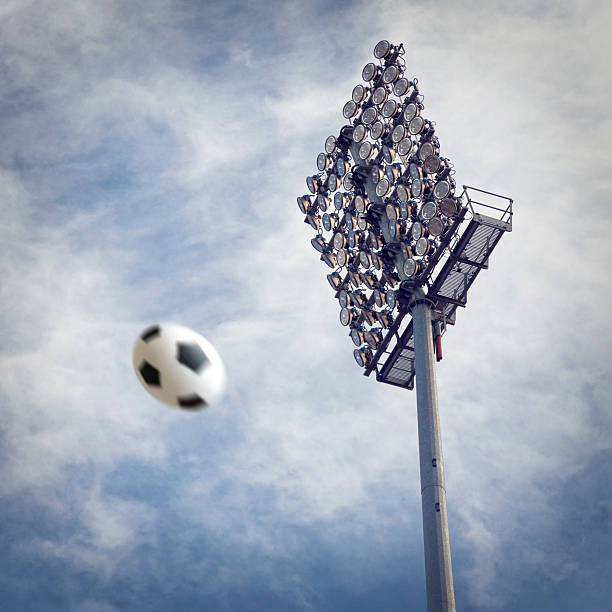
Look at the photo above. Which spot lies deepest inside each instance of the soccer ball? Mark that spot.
(178, 366)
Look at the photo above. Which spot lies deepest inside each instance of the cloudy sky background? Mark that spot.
(151, 156)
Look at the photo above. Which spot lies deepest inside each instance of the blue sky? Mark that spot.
(151, 157)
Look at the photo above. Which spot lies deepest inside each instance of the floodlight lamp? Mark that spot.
(382, 49)
(376, 173)
(410, 112)
(339, 241)
(323, 161)
(385, 318)
(335, 280)
(404, 146)
(416, 231)
(359, 93)
(369, 115)
(416, 188)
(441, 189)
(340, 200)
(388, 154)
(374, 241)
(428, 210)
(353, 239)
(358, 298)
(410, 267)
(431, 164)
(341, 257)
(448, 207)
(304, 203)
(313, 220)
(362, 356)
(392, 172)
(318, 242)
(369, 279)
(357, 336)
(369, 71)
(346, 315)
(416, 125)
(436, 227)
(399, 132)
(377, 130)
(313, 183)
(322, 202)
(415, 172)
(349, 110)
(390, 278)
(329, 258)
(379, 95)
(405, 250)
(341, 167)
(426, 149)
(365, 150)
(402, 193)
(347, 181)
(360, 203)
(383, 187)
(394, 229)
(362, 222)
(329, 221)
(390, 74)
(370, 316)
(359, 133)
(330, 144)
(373, 338)
(343, 298)
(365, 259)
(389, 109)
(392, 212)
(404, 210)
(401, 86)
(391, 299)
(421, 247)
(350, 222)
(377, 261)
(332, 182)
(379, 298)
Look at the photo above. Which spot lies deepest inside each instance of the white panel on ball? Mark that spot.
(178, 366)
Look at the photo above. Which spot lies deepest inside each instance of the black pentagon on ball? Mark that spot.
(150, 333)
(191, 355)
(191, 402)
(150, 374)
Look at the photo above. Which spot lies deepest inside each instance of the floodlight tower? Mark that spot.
(401, 242)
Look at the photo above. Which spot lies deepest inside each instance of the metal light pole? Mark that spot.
(438, 569)
(399, 242)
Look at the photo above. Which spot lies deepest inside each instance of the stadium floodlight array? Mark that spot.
(401, 241)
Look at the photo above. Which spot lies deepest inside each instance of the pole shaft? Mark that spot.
(438, 569)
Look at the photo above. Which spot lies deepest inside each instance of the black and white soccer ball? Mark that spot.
(178, 366)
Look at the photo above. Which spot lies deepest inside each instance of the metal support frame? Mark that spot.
(436, 541)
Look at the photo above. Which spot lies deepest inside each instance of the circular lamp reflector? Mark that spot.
(425, 150)
(399, 131)
(406, 250)
(400, 87)
(392, 172)
(383, 187)
(314, 221)
(416, 231)
(376, 261)
(332, 182)
(428, 210)
(370, 280)
(377, 130)
(436, 226)
(391, 299)
(329, 259)
(330, 144)
(322, 161)
(328, 221)
(374, 241)
(402, 193)
(404, 146)
(415, 171)
(441, 189)
(359, 92)
(340, 200)
(349, 110)
(368, 72)
(346, 316)
(431, 164)
(410, 112)
(357, 336)
(376, 173)
(393, 229)
(410, 267)
(448, 207)
(343, 298)
(304, 203)
(421, 247)
(339, 241)
(349, 221)
(347, 181)
(312, 182)
(388, 154)
(404, 210)
(359, 133)
(379, 95)
(416, 125)
(365, 150)
(389, 108)
(360, 203)
(369, 115)
(365, 259)
(416, 188)
(361, 357)
(382, 49)
(322, 202)
(392, 212)
(341, 166)
(341, 257)
(362, 222)
(390, 74)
